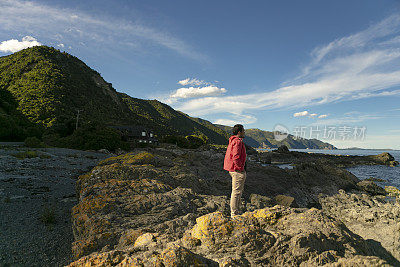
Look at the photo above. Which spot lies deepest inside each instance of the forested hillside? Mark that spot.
(49, 88)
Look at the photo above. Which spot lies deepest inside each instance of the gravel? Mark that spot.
(36, 197)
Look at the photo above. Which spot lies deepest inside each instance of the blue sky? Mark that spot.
(259, 63)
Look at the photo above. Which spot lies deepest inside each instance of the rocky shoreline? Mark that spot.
(283, 155)
(170, 207)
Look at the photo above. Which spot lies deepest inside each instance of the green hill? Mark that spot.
(43, 89)
(170, 121)
(257, 137)
(49, 88)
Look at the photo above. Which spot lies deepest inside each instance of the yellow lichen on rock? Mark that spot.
(144, 240)
(84, 177)
(131, 262)
(130, 159)
(175, 255)
(267, 215)
(392, 191)
(211, 225)
(99, 259)
(91, 204)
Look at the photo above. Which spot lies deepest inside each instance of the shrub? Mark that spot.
(51, 139)
(189, 141)
(142, 145)
(194, 141)
(33, 142)
(178, 140)
(16, 128)
(94, 137)
(26, 154)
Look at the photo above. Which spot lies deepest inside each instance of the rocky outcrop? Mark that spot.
(385, 159)
(171, 207)
(371, 188)
(392, 191)
(281, 155)
(274, 236)
(372, 217)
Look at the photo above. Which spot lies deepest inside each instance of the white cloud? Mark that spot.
(14, 45)
(349, 118)
(322, 116)
(227, 122)
(198, 89)
(191, 92)
(300, 114)
(61, 45)
(353, 67)
(306, 113)
(191, 81)
(237, 118)
(64, 24)
(372, 35)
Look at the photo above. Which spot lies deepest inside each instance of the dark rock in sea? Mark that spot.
(384, 158)
(375, 179)
(283, 156)
(282, 149)
(371, 188)
(393, 163)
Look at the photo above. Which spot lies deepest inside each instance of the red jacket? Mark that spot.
(235, 156)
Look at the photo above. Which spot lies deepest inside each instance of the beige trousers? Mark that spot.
(237, 190)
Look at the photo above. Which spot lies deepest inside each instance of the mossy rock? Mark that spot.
(130, 159)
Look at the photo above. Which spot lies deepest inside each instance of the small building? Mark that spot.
(136, 134)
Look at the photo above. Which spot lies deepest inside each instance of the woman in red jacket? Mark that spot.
(234, 162)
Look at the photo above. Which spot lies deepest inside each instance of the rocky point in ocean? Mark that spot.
(284, 155)
(170, 207)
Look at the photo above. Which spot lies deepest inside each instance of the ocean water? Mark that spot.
(390, 174)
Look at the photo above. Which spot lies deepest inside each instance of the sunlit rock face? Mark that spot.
(170, 207)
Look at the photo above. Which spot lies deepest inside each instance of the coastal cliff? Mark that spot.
(170, 207)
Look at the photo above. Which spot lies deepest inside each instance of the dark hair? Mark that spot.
(237, 128)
